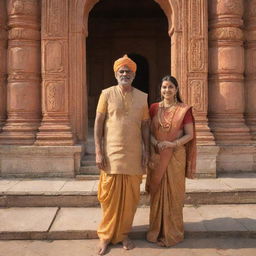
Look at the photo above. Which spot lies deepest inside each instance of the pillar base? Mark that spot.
(40, 161)
(54, 135)
(206, 161)
(236, 158)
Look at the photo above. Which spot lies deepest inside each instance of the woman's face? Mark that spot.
(168, 90)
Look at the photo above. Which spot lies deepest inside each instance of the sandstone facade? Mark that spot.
(56, 56)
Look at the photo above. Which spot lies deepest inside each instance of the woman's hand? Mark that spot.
(165, 144)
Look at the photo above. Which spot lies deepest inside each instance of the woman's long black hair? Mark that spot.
(174, 81)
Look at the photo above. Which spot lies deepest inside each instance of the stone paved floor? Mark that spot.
(190, 247)
(230, 219)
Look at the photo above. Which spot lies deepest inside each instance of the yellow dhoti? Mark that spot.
(119, 195)
(166, 206)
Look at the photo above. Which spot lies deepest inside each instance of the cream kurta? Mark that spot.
(122, 130)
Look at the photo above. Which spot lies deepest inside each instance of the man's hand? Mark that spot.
(100, 161)
(145, 158)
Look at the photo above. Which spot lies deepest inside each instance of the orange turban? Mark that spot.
(125, 61)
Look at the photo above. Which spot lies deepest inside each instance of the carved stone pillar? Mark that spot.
(226, 86)
(197, 85)
(250, 65)
(23, 95)
(3, 51)
(55, 128)
(226, 81)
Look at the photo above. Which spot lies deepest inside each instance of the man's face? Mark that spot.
(124, 76)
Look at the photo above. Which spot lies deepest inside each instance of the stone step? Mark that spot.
(235, 189)
(88, 160)
(54, 223)
(89, 170)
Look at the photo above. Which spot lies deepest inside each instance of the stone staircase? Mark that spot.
(88, 169)
(68, 208)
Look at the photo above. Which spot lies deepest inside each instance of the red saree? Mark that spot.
(166, 181)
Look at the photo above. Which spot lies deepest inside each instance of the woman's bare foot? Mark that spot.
(160, 243)
(128, 244)
(103, 245)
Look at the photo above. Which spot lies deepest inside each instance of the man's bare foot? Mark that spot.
(103, 245)
(128, 244)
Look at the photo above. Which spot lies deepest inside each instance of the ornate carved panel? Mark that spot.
(197, 55)
(196, 35)
(195, 18)
(55, 91)
(55, 56)
(55, 15)
(197, 92)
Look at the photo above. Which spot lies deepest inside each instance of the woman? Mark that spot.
(173, 154)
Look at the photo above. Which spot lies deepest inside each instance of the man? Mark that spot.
(122, 145)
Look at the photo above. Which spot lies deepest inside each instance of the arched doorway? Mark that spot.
(136, 28)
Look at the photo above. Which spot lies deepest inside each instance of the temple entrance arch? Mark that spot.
(187, 28)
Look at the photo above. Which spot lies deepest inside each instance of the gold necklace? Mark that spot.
(165, 116)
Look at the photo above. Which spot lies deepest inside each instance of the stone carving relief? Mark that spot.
(56, 21)
(196, 92)
(54, 56)
(14, 77)
(196, 53)
(230, 6)
(24, 34)
(226, 33)
(195, 17)
(28, 7)
(55, 96)
(17, 55)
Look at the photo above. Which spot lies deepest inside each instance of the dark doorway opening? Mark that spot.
(141, 80)
(137, 28)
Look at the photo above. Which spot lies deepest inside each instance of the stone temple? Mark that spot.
(57, 55)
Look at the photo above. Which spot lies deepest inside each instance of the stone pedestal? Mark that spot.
(43, 161)
(206, 161)
(236, 159)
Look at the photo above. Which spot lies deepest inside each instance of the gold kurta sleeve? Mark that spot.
(145, 115)
(102, 104)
